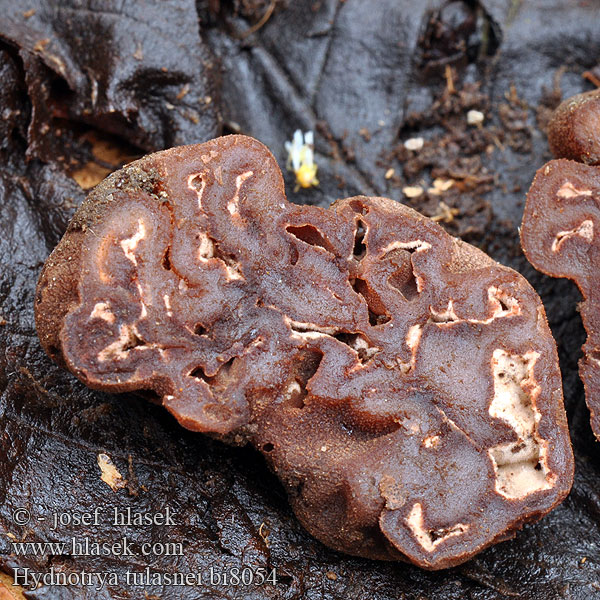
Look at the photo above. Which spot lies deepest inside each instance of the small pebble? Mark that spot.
(440, 186)
(475, 117)
(414, 144)
(413, 191)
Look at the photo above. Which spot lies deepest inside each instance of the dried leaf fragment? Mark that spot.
(109, 472)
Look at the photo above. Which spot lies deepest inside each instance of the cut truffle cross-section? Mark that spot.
(560, 233)
(403, 386)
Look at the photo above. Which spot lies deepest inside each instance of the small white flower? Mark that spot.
(301, 159)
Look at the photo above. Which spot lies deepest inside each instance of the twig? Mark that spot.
(260, 23)
(591, 77)
(449, 80)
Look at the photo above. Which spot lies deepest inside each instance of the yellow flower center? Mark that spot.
(306, 176)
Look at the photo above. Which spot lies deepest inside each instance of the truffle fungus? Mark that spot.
(403, 386)
(559, 233)
(574, 130)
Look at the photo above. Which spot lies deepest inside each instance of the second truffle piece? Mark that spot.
(574, 130)
(559, 233)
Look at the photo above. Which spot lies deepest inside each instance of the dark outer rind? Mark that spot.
(574, 130)
(577, 257)
(296, 448)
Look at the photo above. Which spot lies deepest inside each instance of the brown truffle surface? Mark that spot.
(574, 130)
(404, 387)
(561, 219)
(559, 235)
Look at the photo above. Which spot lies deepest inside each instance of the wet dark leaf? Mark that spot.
(138, 70)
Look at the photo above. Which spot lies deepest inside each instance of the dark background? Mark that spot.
(86, 86)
